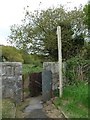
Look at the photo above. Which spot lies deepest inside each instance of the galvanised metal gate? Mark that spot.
(46, 85)
(41, 83)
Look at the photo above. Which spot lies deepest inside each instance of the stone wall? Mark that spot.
(53, 67)
(11, 73)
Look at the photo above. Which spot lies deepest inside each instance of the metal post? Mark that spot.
(59, 59)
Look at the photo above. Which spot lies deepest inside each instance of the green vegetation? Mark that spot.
(86, 51)
(30, 68)
(31, 63)
(38, 35)
(87, 14)
(77, 68)
(11, 54)
(8, 108)
(74, 101)
(36, 41)
(10, 111)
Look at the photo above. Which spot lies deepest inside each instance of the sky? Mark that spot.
(12, 12)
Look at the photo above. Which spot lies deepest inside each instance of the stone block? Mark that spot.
(18, 70)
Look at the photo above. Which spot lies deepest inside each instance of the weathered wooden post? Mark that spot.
(59, 59)
(0, 87)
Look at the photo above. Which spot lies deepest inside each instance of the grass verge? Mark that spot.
(74, 101)
(8, 109)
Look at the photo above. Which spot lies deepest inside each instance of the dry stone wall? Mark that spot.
(11, 75)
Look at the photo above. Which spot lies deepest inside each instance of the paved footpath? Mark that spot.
(35, 108)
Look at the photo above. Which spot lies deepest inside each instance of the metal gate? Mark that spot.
(46, 85)
(35, 84)
(41, 83)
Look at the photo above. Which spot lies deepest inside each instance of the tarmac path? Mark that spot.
(35, 108)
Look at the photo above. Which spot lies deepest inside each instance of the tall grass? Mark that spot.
(74, 100)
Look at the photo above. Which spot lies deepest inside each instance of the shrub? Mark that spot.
(77, 68)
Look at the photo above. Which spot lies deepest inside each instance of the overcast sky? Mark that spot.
(11, 11)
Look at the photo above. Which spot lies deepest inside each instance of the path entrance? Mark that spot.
(41, 84)
(35, 84)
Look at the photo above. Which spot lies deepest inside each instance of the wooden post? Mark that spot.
(1, 86)
(59, 59)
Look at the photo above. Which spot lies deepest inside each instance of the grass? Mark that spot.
(31, 68)
(74, 101)
(8, 109)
